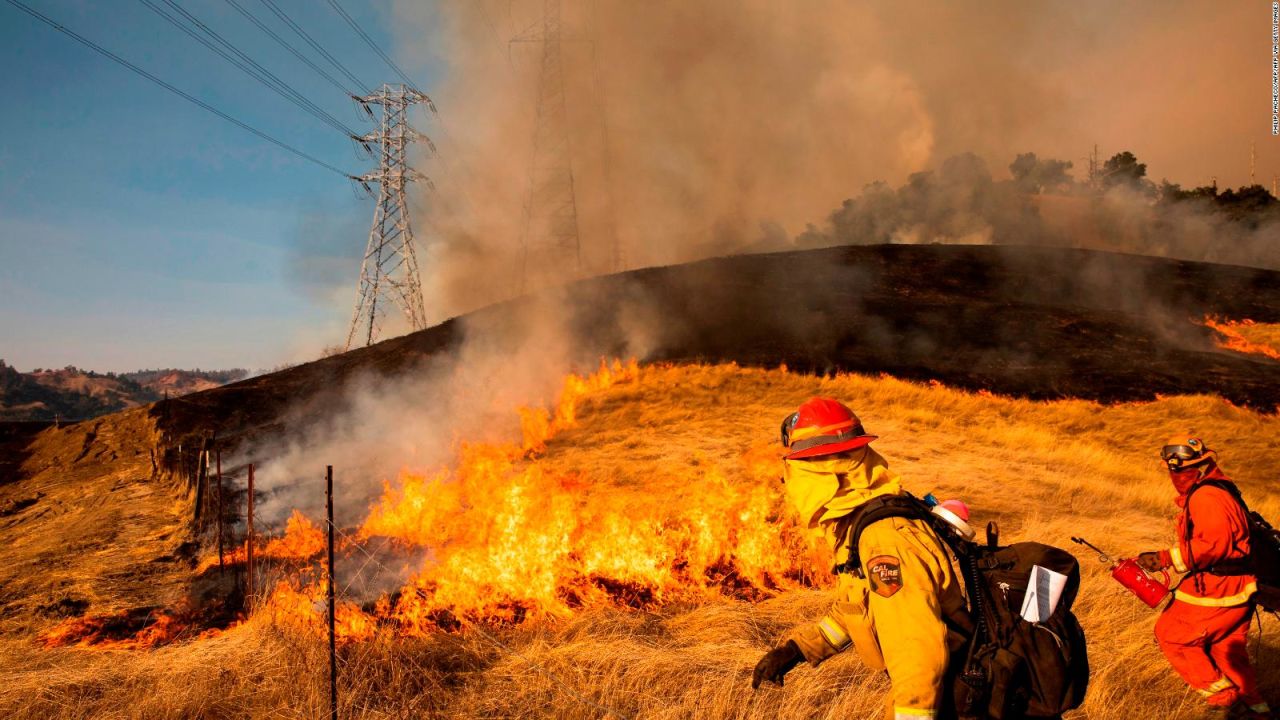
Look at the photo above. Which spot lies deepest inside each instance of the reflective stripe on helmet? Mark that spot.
(854, 432)
(805, 433)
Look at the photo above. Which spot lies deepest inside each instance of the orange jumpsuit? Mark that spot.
(1203, 632)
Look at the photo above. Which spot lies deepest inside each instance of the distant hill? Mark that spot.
(180, 382)
(75, 394)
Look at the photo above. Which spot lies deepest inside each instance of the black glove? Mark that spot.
(776, 663)
(1151, 562)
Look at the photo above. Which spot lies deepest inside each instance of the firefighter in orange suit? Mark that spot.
(896, 616)
(1203, 631)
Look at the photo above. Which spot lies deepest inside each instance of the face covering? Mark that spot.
(825, 488)
(1184, 479)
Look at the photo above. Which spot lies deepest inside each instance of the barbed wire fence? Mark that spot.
(346, 591)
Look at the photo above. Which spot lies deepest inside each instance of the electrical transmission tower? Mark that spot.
(389, 272)
(549, 233)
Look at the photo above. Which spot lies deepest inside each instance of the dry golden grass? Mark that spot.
(105, 525)
(1042, 470)
(1267, 334)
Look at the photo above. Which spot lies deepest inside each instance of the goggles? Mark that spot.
(788, 425)
(1175, 456)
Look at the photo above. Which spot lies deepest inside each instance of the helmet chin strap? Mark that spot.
(1210, 462)
(1205, 468)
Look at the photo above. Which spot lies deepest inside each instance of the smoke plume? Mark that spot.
(375, 425)
(962, 203)
(703, 128)
(696, 129)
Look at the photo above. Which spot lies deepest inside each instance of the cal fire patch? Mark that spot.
(885, 573)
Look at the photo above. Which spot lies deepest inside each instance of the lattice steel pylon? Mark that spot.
(549, 231)
(390, 267)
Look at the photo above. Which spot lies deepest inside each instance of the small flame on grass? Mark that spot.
(1231, 337)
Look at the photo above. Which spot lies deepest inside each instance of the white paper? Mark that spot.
(1043, 593)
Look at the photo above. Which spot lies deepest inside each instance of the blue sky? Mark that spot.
(137, 230)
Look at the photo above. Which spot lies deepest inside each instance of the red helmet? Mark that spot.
(822, 426)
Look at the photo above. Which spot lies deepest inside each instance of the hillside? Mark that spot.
(660, 446)
(1035, 322)
(624, 552)
(72, 394)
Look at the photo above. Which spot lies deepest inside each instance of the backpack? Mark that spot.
(1009, 668)
(1264, 548)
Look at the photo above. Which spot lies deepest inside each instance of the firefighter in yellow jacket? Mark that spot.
(896, 616)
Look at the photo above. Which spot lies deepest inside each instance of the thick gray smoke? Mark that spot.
(376, 425)
(962, 203)
(717, 126)
(720, 126)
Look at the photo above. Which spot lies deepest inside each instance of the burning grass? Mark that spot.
(629, 556)
(140, 628)
(1247, 336)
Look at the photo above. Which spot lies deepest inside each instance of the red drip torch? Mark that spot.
(1128, 573)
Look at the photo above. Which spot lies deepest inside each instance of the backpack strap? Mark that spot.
(1238, 567)
(849, 528)
(1225, 485)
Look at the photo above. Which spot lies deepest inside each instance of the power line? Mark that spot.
(189, 98)
(488, 20)
(247, 65)
(314, 45)
(445, 165)
(286, 86)
(285, 44)
(371, 43)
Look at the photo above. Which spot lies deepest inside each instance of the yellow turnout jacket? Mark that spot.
(893, 616)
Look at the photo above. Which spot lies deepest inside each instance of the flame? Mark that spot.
(302, 540)
(508, 534)
(513, 531)
(529, 545)
(1232, 336)
(537, 425)
(138, 629)
(504, 535)
(301, 605)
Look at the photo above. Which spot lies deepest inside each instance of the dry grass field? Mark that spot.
(675, 448)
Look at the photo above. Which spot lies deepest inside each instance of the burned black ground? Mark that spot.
(1032, 322)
